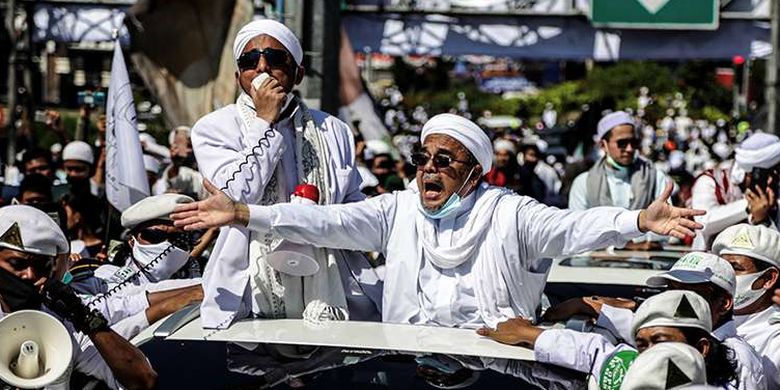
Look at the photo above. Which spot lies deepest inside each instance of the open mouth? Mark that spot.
(432, 189)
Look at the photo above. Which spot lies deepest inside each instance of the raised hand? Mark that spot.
(215, 211)
(664, 219)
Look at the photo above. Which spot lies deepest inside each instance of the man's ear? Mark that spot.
(728, 305)
(603, 144)
(770, 276)
(703, 346)
(300, 71)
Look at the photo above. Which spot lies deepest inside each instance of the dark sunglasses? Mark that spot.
(275, 58)
(419, 159)
(623, 143)
(182, 240)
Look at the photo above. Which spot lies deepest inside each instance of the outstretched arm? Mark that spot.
(357, 226)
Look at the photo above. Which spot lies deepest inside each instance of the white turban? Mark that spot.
(271, 28)
(755, 241)
(79, 151)
(612, 120)
(760, 150)
(464, 131)
(504, 145)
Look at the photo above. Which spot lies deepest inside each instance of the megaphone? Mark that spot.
(36, 349)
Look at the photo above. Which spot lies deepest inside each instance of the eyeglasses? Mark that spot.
(182, 240)
(273, 57)
(623, 143)
(419, 159)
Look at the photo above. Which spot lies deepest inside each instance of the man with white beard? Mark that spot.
(261, 150)
(459, 252)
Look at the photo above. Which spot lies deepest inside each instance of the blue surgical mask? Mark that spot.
(450, 206)
(616, 165)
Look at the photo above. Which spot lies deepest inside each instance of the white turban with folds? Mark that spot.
(272, 28)
(760, 150)
(464, 131)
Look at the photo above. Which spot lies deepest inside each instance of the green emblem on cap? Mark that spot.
(615, 368)
(742, 240)
(689, 260)
(685, 309)
(13, 236)
(675, 377)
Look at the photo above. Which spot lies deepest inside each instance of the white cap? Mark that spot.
(278, 31)
(612, 120)
(668, 365)
(79, 151)
(674, 308)
(504, 145)
(151, 164)
(376, 147)
(27, 229)
(698, 267)
(755, 241)
(176, 130)
(471, 136)
(153, 207)
(55, 147)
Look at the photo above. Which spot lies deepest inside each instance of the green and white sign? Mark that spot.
(655, 14)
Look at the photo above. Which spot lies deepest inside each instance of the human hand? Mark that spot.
(215, 211)
(268, 99)
(664, 219)
(516, 331)
(644, 246)
(760, 202)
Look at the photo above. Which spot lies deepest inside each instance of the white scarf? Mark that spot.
(315, 298)
(473, 234)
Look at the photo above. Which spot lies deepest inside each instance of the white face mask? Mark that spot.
(167, 259)
(745, 295)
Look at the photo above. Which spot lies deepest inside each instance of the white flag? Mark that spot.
(126, 181)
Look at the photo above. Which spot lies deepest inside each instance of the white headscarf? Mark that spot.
(464, 131)
(760, 150)
(272, 28)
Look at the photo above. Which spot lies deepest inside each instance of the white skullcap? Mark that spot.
(760, 150)
(504, 145)
(668, 365)
(676, 159)
(55, 147)
(151, 208)
(178, 129)
(612, 120)
(464, 131)
(673, 308)
(755, 241)
(376, 147)
(151, 164)
(698, 267)
(272, 28)
(79, 151)
(27, 229)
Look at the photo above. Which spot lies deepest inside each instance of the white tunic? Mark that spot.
(521, 231)
(226, 150)
(762, 331)
(749, 366)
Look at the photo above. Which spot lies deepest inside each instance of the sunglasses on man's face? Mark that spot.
(440, 161)
(275, 58)
(623, 143)
(155, 236)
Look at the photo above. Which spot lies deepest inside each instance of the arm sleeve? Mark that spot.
(363, 226)
(718, 216)
(551, 232)
(617, 321)
(245, 170)
(577, 199)
(583, 352)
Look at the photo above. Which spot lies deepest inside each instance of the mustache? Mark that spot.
(431, 177)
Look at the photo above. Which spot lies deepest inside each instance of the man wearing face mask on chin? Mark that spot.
(459, 252)
(261, 150)
(754, 253)
(621, 178)
(33, 257)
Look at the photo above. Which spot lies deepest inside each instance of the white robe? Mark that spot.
(222, 144)
(522, 230)
(762, 331)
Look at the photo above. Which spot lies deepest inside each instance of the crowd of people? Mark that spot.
(445, 224)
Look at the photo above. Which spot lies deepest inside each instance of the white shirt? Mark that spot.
(619, 189)
(528, 231)
(719, 216)
(762, 331)
(226, 150)
(749, 366)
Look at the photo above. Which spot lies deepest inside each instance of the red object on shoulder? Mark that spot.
(308, 191)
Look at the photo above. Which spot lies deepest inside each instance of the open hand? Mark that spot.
(215, 211)
(664, 219)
